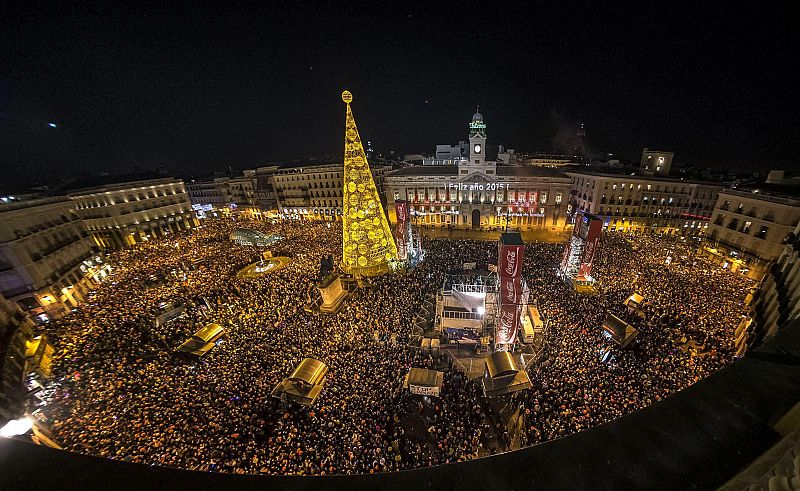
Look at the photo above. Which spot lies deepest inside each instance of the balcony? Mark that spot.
(60, 245)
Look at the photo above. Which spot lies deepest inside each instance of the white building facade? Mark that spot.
(124, 214)
(48, 261)
(477, 193)
(646, 204)
(749, 230)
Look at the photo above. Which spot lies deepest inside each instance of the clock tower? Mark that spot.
(477, 139)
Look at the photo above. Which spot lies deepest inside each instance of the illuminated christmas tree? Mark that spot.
(368, 244)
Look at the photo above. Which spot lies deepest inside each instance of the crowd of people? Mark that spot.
(120, 391)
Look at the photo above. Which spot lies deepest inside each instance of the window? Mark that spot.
(726, 205)
(762, 232)
(558, 198)
(740, 208)
(543, 197)
(746, 227)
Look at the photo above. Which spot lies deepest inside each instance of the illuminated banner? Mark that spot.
(510, 307)
(579, 230)
(594, 228)
(401, 231)
(424, 390)
(511, 291)
(477, 186)
(511, 255)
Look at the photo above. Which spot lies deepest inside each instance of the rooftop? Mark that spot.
(787, 195)
(88, 181)
(529, 171)
(636, 177)
(30, 203)
(124, 185)
(502, 170)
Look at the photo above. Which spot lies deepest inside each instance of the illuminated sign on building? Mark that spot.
(477, 186)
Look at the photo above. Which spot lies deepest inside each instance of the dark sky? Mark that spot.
(196, 89)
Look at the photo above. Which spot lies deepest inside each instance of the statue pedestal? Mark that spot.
(333, 293)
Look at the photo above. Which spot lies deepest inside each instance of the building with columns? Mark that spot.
(474, 192)
(48, 261)
(124, 214)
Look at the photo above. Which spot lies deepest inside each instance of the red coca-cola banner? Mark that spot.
(592, 243)
(510, 305)
(401, 232)
(510, 260)
(511, 291)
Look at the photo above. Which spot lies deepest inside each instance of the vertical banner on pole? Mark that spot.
(511, 254)
(595, 227)
(401, 231)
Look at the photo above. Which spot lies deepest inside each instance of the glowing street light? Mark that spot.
(16, 427)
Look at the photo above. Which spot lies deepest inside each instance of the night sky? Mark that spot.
(199, 89)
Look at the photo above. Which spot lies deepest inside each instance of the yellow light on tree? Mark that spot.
(368, 244)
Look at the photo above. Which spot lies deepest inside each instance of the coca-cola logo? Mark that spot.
(511, 262)
(507, 318)
(505, 326)
(511, 292)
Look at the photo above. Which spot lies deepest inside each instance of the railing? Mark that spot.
(453, 314)
(60, 245)
(464, 288)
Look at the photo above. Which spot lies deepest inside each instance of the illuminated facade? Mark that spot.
(646, 203)
(314, 192)
(48, 261)
(124, 214)
(368, 245)
(473, 192)
(750, 228)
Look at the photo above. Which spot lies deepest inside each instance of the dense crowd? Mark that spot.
(121, 392)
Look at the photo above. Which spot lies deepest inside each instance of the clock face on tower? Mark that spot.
(477, 148)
